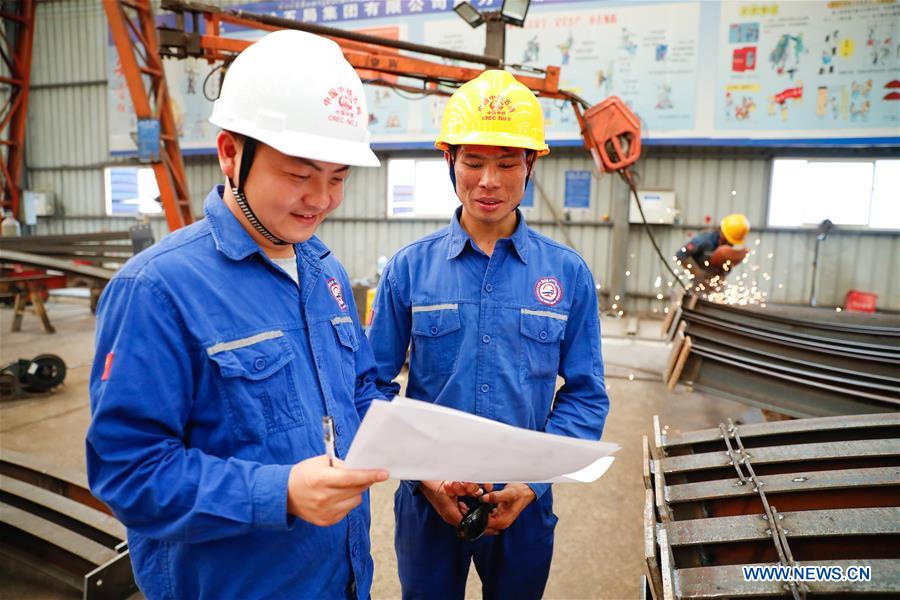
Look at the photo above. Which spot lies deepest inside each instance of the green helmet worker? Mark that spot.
(711, 254)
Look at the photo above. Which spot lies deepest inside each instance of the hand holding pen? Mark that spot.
(321, 491)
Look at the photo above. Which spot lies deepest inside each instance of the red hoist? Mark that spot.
(611, 132)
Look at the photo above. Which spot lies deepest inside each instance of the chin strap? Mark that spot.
(453, 170)
(249, 151)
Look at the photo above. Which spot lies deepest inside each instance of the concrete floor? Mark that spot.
(599, 536)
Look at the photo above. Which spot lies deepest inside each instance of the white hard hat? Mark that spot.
(295, 91)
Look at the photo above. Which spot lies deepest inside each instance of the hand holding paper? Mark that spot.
(421, 441)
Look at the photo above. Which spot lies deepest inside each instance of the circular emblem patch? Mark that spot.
(338, 294)
(548, 291)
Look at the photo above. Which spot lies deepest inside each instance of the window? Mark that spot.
(131, 191)
(862, 193)
(420, 188)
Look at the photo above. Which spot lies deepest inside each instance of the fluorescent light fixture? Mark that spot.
(515, 11)
(469, 14)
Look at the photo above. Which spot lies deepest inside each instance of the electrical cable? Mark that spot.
(206, 80)
(626, 175)
(410, 96)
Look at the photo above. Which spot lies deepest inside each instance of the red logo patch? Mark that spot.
(107, 367)
(337, 293)
(548, 290)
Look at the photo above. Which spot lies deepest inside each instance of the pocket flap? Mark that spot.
(435, 321)
(542, 326)
(346, 332)
(255, 357)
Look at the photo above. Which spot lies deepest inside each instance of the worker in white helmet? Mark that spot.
(221, 349)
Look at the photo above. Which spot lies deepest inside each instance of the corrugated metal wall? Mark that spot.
(68, 148)
(358, 232)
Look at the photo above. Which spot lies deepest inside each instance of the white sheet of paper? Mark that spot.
(592, 472)
(422, 441)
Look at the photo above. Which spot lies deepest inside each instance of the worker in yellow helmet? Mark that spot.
(713, 253)
(492, 313)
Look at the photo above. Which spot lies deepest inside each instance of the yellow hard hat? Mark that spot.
(735, 227)
(493, 109)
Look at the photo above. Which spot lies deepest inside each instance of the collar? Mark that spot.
(232, 239)
(459, 237)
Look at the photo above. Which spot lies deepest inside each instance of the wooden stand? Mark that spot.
(22, 295)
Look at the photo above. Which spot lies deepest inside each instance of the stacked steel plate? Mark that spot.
(822, 492)
(50, 521)
(791, 360)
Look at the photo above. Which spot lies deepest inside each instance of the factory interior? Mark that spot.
(725, 173)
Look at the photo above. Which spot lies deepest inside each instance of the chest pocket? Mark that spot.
(348, 344)
(541, 332)
(258, 384)
(437, 337)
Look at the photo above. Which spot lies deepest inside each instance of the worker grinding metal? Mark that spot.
(710, 255)
(494, 311)
(221, 348)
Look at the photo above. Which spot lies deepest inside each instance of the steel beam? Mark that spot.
(859, 385)
(712, 506)
(874, 349)
(728, 581)
(750, 346)
(805, 481)
(784, 454)
(798, 319)
(67, 266)
(72, 515)
(72, 484)
(787, 428)
(79, 548)
(778, 392)
(799, 524)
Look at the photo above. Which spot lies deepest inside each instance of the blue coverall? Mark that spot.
(700, 247)
(489, 336)
(698, 250)
(213, 371)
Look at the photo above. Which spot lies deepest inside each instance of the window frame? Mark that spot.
(388, 198)
(107, 193)
(825, 159)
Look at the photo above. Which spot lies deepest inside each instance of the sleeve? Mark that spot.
(389, 335)
(141, 388)
(389, 332)
(687, 251)
(366, 371)
(682, 254)
(366, 376)
(581, 405)
(706, 248)
(702, 246)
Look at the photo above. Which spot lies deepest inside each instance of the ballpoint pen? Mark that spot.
(328, 434)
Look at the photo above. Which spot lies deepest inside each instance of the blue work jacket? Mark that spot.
(488, 335)
(700, 247)
(213, 371)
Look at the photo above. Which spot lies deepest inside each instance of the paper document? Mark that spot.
(422, 441)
